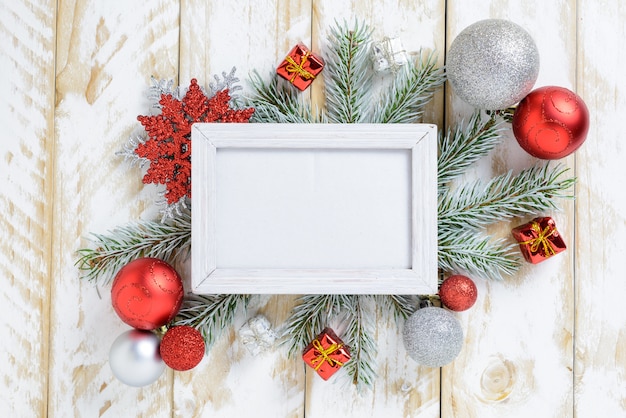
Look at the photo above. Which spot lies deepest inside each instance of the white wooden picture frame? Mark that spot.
(314, 209)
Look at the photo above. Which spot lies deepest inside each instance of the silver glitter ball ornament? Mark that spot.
(134, 358)
(493, 64)
(433, 337)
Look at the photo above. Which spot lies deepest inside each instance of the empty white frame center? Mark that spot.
(288, 208)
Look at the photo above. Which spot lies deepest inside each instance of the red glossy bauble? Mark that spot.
(147, 293)
(182, 348)
(551, 122)
(458, 293)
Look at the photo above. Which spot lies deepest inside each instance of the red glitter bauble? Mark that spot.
(147, 293)
(551, 122)
(182, 348)
(458, 293)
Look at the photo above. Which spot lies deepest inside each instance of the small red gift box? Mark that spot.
(300, 67)
(326, 354)
(539, 239)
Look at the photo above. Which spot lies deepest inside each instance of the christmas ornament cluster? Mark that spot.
(147, 294)
(492, 65)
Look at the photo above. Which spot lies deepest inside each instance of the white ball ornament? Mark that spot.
(134, 358)
(492, 64)
(433, 337)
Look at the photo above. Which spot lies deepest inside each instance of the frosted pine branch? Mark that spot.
(532, 191)
(413, 87)
(461, 148)
(170, 242)
(308, 318)
(475, 254)
(402, 306)
(358, 336)
(277, 102)
(347, 74)
(210, 314)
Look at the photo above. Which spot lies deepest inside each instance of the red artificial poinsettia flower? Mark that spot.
(168, 147)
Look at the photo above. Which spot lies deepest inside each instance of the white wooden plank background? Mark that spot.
(510, 366)
(548, 342)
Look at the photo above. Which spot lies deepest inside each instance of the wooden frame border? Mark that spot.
(421, 139)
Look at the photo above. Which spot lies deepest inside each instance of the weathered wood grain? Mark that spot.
(27, 29)
(62, 180)
(517, 359)
(215, 36)
(106, 53)
(402, 388)
(600, 367)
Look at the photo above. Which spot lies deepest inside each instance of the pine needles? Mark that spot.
(358, 336)
(478, 255)
(348, 74)
(210, 314)
(170, 242)
(313, 313)
(461, 148)
(533, 190)
(409, 92)
(277, 102)
(464, 211)
(308, 318)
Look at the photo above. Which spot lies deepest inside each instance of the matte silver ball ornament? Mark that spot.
(433, 337)
(134, 358)
(492, 64)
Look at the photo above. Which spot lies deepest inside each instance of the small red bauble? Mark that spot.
(458, 293)
(551, 122)
(182, 348)
(147, 293)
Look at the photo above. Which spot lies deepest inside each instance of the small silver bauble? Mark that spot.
(433, 337)
(492, 64)
(134, 358)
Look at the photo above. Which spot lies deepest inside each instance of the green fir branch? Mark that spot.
(358, 336)
(461, 148)
(470, 251)
(278, 102)
(170, 242)
(210, 314)
(532, 191)
(402, 306)
(413, 87)
(347, 74)
(309, 317)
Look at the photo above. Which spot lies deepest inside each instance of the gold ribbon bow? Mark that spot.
(323, 354)
(541, 239)
(297, 69)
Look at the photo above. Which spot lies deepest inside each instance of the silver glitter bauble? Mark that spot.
(492, 64)
(134, 358)
(433, 337)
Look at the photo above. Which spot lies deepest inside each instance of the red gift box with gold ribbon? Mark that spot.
(300, 67)
(326, 354)
(539, 239)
